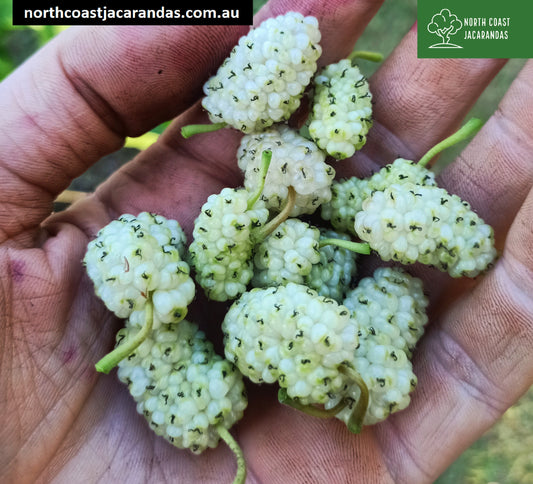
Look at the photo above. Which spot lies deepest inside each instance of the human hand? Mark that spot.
(76, 101)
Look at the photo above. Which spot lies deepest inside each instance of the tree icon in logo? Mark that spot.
(444, 24)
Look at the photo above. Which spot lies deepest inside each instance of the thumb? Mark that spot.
(76, 100)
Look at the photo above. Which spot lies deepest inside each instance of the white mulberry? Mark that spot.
(133, 257)
(221, 251)
(287, 254)
(342, 109)
(409, 223)
(392, 305)
(389, 308)
(388, 375)
(347, 195)
(263, 79)
(332, 275)
(291, 335)
(296, 161)
(182, 387)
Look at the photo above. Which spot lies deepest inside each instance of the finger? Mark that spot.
(82, 94)
(419, 102)
(314, 450)
(172, 184)
(110, 439)
(495, 171)
(474, 363)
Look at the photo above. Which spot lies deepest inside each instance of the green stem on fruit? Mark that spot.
(357, 247)
(192, 129)
(225, 435)
(310, 409)
(266, 158)
(365, 55)
(109, 361)
(262, 233)
(355, 422)
(466, 131)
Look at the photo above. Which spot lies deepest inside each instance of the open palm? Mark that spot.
(78, 98)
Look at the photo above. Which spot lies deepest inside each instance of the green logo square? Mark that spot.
(475, 29)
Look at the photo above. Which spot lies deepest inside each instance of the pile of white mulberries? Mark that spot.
(281, 252)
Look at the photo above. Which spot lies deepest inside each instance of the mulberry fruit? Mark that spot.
(332, 275)
(389, 308)
(392, 305)
(136, 258)
(221, 251)
(263, 79)
(186, 392)
(342, 109)
(411, 223)
(290, 335)
(296, 161)
(286, 255)
(348, 194)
